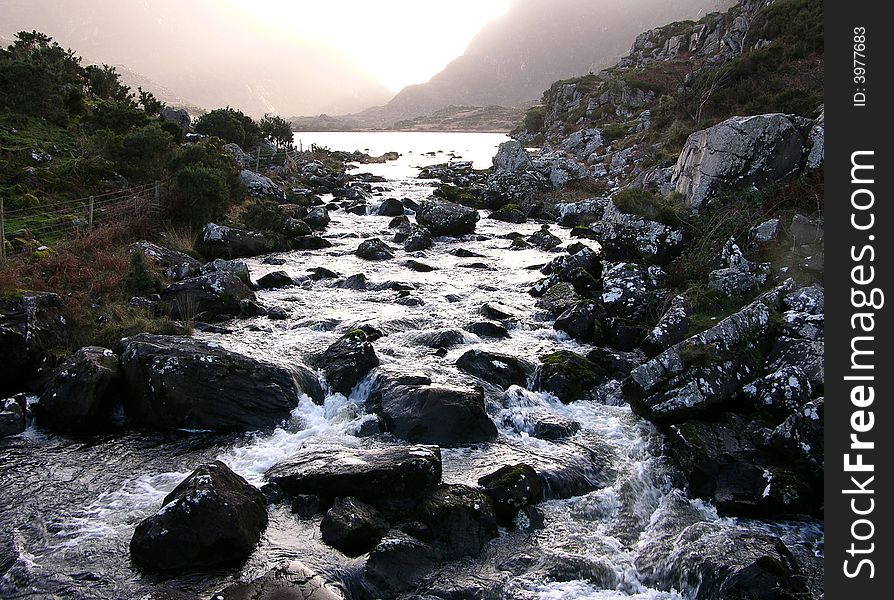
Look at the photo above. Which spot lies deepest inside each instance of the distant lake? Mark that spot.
(415, 147)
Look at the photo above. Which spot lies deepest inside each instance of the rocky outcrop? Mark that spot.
(370, 475)
(213, 296)
(30, 325)
(173, 265)
(261, 186)
(447, 218)
(212, 518)
(220, 241)
(178, 116)
(175, 383)
(740, 152)
(82, 392)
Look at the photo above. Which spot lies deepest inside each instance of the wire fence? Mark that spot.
(32, 229)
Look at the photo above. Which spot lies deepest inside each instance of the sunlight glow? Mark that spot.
(399, 42)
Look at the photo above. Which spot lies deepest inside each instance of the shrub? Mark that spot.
(202, 195)
(140, 279)
(120, 117)
(534, 118)
(230, 125)
(264, 215)
(645, 204)
(146, 152)
(277, 130)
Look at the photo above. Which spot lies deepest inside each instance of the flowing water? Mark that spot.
(68, 507)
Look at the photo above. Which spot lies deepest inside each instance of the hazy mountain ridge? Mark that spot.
(229, 62)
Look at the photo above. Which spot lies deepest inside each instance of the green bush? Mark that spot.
(645, 204)
(534, 118)
(230, 125)
(145, 153)
(139, 279)
(120, 117)
(202, 195)
(276, 130)
(264, 215)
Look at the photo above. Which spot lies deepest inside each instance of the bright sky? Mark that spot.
(399, 42)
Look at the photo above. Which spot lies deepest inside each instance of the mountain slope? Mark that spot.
(223, 61)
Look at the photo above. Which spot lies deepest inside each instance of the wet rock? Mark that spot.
(13, 413)
(294, 581)
(447, 218)
(616, 363)
(358, 209)
(305, 506)
(559, 298)
(348, 360)
(318, 218)
(173, 265)
(354, 282)
(548, 425)
(212, 518)
(374, 249)
(463, 253)
(628, 289)
(487, 329)
(544, 239)
(568, 376)
(581, 321)
(399, 563)
(371, 475)
(419, 267)
(236, 267)
(578, 257)
(671, 328)
(462, 520)
(295, 227)
(278, 313)
(82, 392)
(275, 280)
(501, 370)
(440, 338)
(436, 414)
(510, 213)
(747, 151)
(728, 462)
(309, 242)
(397, 222)
(800, 437)
(511, 488)
(418, 239)
(261, 186)
(353, 527)
(319, 273)
(29, 326)
(211, 296)
(220, 241)
(497, 311)
(183, 383)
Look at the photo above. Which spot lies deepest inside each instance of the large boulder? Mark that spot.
(631, 237)
(237, 267)
(212, 296)
(447, 218)
(178, 116)
(175, 382)
(436, 414)
(82, 392)
(30, 325)
(512, 488)
(501, 370)
(399, 563)
(220, 241)
(13, 415)
(293, 581)
(372, 475)
(629, 290)
(348, 360)
(173, 264)
(568, 376)
(462, 520)
(671, 328)
(511, 157)
(374, 249)
(353, 527)
(261, 186)
(741, 152)
(212, 518)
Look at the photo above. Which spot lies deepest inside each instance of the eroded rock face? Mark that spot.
(371, 475)
(213, 518)
(81, 394)
(740, 151)
(447, 218)
(175, 382)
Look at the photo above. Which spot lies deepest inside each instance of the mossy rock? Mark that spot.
(569, 376)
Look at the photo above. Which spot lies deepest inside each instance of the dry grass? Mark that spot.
(182, 238)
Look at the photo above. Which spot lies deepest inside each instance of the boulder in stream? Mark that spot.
(447, 218)
(348, 360)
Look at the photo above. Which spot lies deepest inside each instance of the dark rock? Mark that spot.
(463, 253)
(398, 221)
(671, 328)
(390, 207)
(545, 239)
(29, 326)
(236, 267)
(348, 360)
(274, 280)
(277, 313)
(509, 214)
(318, 273)
(501, 370)
(420, 267)
(806, 232)
(173, 265)
(447, 218)
(548, 425)
(487, 329)
(764, 235)
(497, 311)
(371, 475)
(462, 520)
(810, 300)
(306, 506)
(568, 376)
(353, 527)
(374, 249)
(309, 242)
(360, 209)
(616, 363)
(444, 415)
(220, 241)
(82, 392)
(13, 420)
(559, 298)
(440, 338)
(296, 227)
(807, 355)
(294, 581)
(781, 393)
(176, 382)
(628, 290)
(581, 321)
(213, 518)
(512, 488)
(399, 563)
(418, 239)
(354, 282)
(214, 295)
(318, 218)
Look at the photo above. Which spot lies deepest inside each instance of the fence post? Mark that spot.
(2, 232)
(90, 212)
